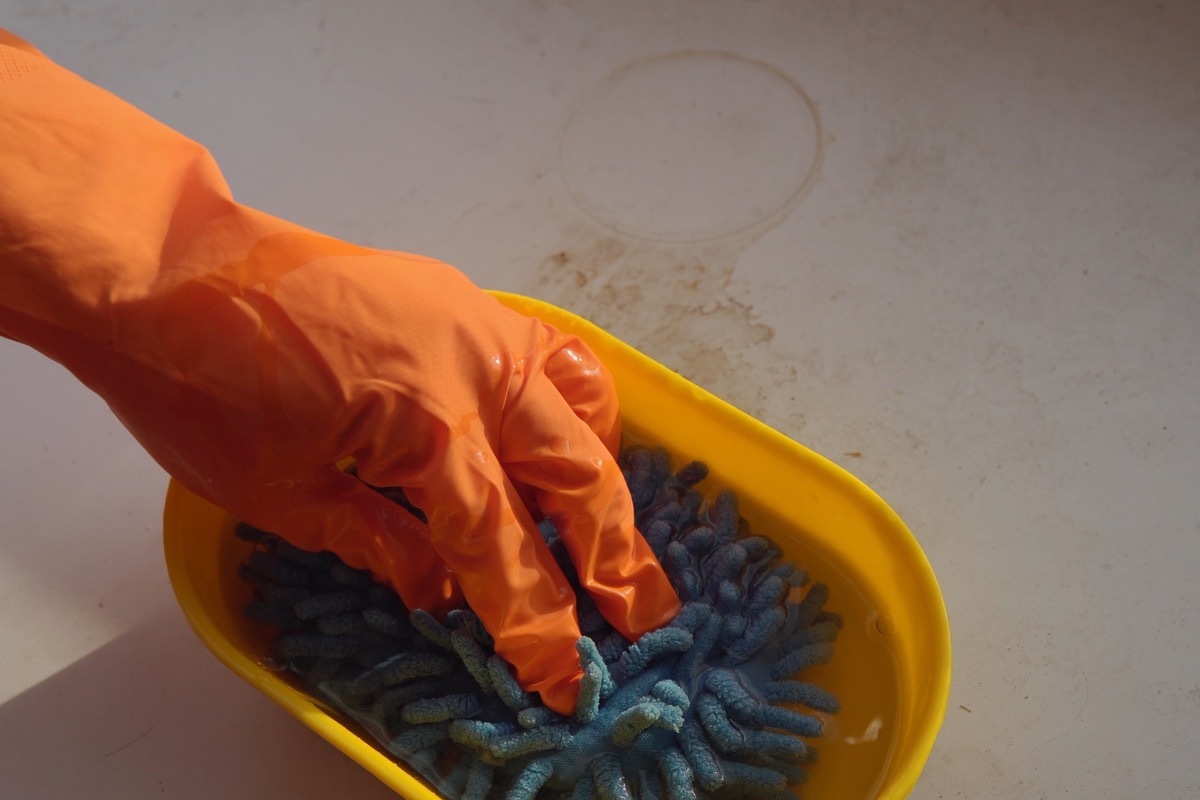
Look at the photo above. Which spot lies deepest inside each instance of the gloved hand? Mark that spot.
(250, 356)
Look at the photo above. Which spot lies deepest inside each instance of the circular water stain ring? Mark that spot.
(692, 146)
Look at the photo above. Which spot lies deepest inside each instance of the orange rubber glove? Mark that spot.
(250, 356)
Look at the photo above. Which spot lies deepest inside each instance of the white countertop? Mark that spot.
(952, 246)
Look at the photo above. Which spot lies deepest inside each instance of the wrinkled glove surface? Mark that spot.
(251, 357)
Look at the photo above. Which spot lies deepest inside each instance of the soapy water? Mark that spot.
(709, 706)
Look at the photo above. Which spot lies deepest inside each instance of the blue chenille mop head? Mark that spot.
(705, 707)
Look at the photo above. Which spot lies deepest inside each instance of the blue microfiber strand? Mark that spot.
(709, 706)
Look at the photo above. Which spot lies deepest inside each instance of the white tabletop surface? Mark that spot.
(953, 246)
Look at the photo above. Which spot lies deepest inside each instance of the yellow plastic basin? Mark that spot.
(891, 668)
